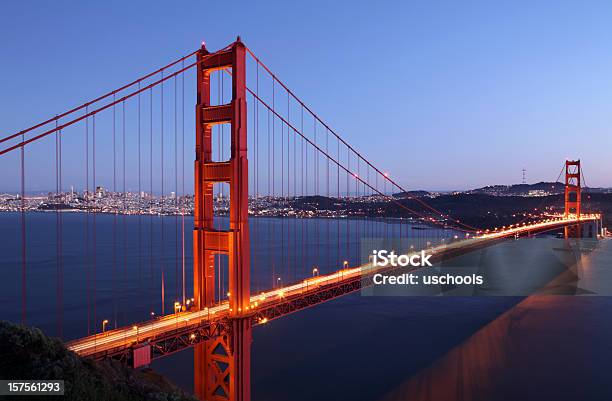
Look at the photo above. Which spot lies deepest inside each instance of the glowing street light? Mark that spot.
(344, 267)
(104, 323)
(177, 307)
(315, 271)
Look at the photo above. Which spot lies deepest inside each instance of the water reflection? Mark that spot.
(545, 347)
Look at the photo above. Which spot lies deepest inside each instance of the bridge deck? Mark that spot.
(181, 330)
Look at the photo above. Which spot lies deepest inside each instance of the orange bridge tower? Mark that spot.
(572, 196)
(222, 364)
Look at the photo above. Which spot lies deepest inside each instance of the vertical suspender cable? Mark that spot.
(315, 156)
(327, 222)
(307, 234)
(86, 216)
(151, 275)
(253, 192)
(294, 199)
(339, 205)
(139, 197)
(288, 222)
(114, 215)
(57, 238)
(273, 240)
(348, 205)
(61, 241)
(123, 217)
(61, 244)
(270, 240)
(283, 265)
(358, 238)
(256, 172)
(288, 263)
(303, 194)
(163, 243)
(175, 211)
(23, 237)
(183, 174)
(94, 234)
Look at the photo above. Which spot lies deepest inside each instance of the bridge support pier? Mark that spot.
(222, 365)
(574, 231)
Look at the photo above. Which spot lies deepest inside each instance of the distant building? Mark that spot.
(538, 192)
(100, 192)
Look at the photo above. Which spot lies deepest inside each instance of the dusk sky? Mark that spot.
(443, 95)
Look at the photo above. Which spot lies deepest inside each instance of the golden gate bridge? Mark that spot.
(258, 149)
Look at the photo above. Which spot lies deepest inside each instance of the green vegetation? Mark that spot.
(26, 353)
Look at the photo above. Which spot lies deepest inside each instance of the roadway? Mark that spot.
(126, 337)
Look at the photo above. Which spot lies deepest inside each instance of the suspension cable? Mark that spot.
(316, 147)
(393, 182)
(96, 100)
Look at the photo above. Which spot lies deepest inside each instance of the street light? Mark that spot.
(278, 281)
(104, 323)
(315, 271)
(177, 307)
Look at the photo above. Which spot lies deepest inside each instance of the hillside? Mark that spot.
(539, 188)
(26, 353)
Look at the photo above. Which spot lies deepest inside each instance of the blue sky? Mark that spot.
(444, 95)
